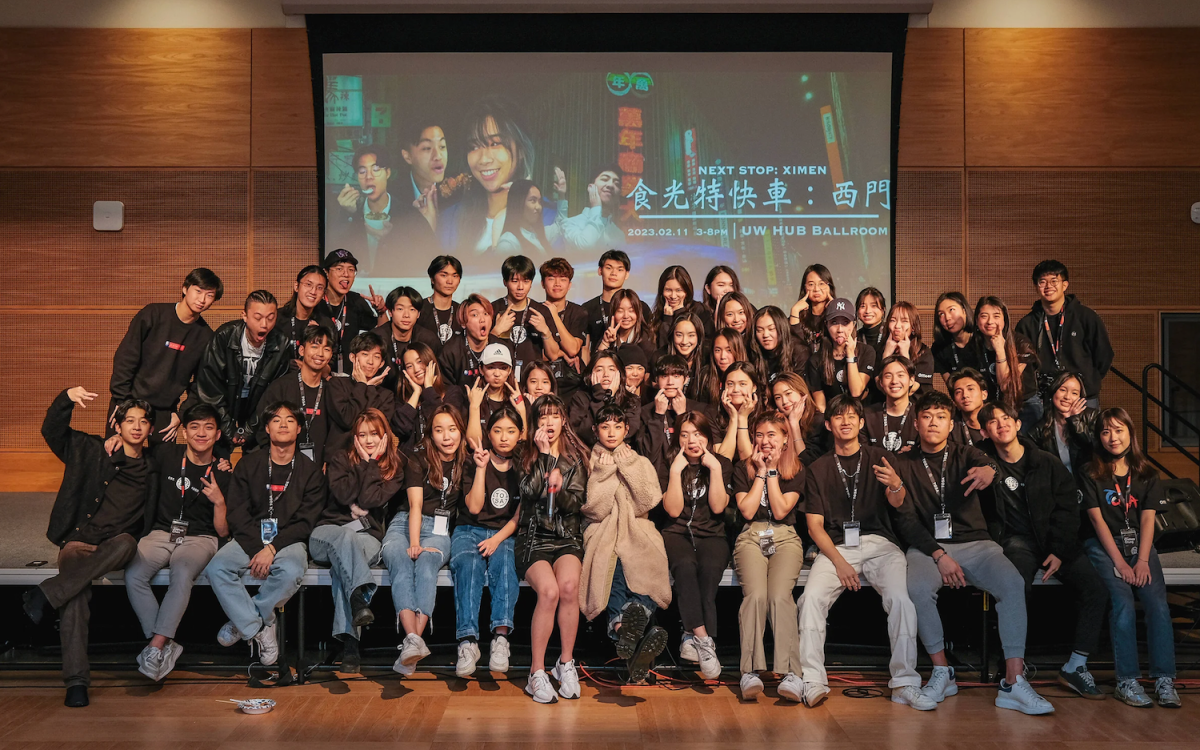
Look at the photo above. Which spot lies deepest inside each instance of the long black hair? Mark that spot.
(514, 217)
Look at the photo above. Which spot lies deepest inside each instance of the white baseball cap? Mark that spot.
(496, 354)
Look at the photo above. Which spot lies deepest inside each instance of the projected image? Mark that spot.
(762, 162)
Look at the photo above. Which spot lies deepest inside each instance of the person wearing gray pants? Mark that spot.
(942, 522)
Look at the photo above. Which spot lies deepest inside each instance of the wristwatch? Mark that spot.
(772, 473)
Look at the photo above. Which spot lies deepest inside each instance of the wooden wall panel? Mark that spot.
(124, 97)
(929, 234)
(174, 220)
(285, 227)
(282, 132)
(931, 101)
(1125, 235)
(1082, 97)
(1135, 337)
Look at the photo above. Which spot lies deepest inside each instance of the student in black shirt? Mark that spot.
(538, 380)
(695, 496)
(525, 323)
(773, 346)
(161, 351)
(1067, 335)
(628, 325)
(728, 347)
(904, 338)
(872, 307)
(656, 432)
(404, 305)
(350, 312)
(440, 316)
(1036, 521)
(675, 298)
(303, 385)
(482, 547)
(686, 339)
(943, 524)
(768, 555)
(422, 391)
(1121, 493)
(606, 376)
(850, 497)
(614, 267)
(842, 363)
(806, 427)
(807, 316)
(1008, 360)
(188, 524)
(494, 390)
(721, 280)
(274, 500)
(459, 359)
(349, 397)
(735, 311)
(243, 358)
(953, 336)
(303, 309)
(364, 480)
(969, 390)
(742, 401)
(568, 321)
(104, 504)
(1067, 426)
(892, 425)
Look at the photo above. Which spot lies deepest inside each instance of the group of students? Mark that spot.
(614, 457)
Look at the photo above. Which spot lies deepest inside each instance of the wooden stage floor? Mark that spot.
(432, 711)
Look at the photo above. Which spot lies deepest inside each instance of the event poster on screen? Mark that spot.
(765, 162)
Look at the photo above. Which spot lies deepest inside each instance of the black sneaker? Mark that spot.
(360, 607)
(1082, 682)
(634, 619)
(647, 651)
(351, 662)
(77, 696)
(35, 605)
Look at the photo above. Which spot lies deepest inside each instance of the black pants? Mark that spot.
(70, 592)
(697, 574)
(1078, 574)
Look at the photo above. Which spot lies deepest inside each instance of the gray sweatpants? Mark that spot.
(187, 560)
(985, 567)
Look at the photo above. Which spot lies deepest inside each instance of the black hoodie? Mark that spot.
(1084, 345)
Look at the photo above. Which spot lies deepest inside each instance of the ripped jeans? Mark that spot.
(414, 582)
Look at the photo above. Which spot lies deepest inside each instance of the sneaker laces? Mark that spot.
(1164, 684)
(1027, 690)
(1086, 676)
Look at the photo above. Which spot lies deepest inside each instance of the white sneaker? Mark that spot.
(912, 696)
(1020, 696)
(498, 653)
(170, 655)
(268, 645)
(228, 635)
(150, 661)
(539, 688)
(815, 694)
(752, 686)
(468, 657)
(413, 650)
(400, 667)
(706, 653)
(687, 648)
(941, 684)
(791, 688)
(568, 679)
(1131, 693)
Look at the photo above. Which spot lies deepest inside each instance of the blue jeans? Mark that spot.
(472, 570)
(349, 555)
(414, 582)
(1122, 619)
(620, 596)
(1031, 413)
(251, 614)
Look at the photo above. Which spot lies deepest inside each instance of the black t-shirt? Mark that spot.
(186, 492)
(122, 507)
(596, 314)
(460, 364)
(743, 477)
(448, 495)
(1013, 497)
(1132, 499)
(889, 432)
(963, 433)
(923, 485)
(442, 323)
(950, 357)
(352, 316)
(815, 372)
(1028, 377)
(697, 517)
(826, 493)
(501, 497)
(527, 342)
(293, 328)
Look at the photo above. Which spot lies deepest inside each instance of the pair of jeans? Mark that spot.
(251, 614)
(187, 560)
(70, 592)
(472, 570)
(619, 596)
(1078, 574)
(1122, 620)
(697, 567)
(986, 568)
(414, 582)
(349, 555)
(1031, 413)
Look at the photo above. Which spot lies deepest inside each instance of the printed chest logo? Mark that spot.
(500, 498)
(841, 375)
(445, 483)
(518, 334)
(1112, 498)
(1011, 483)
(699, 492)
(183, 483)
(763, 500)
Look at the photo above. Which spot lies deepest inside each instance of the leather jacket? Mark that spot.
(219, 378)
(566, 524)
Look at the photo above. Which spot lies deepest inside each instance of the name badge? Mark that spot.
(850, 532)
(355, 525)
(517, 369)
(441, 522)
(178, 531)
(307, 450)
(1129, 542)
(766, 541)
(942, 528)
(268, 529)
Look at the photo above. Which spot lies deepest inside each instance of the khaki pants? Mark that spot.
(767, 586)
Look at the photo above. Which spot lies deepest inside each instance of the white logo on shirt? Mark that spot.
(763, 502)
(183, 483)
(518, 334)
(445, 483)
(500, 498)
(841, 375)
(1011, 483)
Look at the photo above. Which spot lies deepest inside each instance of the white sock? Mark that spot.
(1076, 661)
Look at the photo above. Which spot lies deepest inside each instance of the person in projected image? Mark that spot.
(498, 152)
(525, 232)
(594, 229)
(376, 225)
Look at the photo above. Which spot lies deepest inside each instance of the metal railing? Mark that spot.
(1148, 425)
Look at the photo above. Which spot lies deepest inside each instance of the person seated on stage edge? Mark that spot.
(421, 391)
(1067, 426)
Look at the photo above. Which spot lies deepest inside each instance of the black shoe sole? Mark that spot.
(76, 699)
(633, 626)
(363, 618)
(647, 651)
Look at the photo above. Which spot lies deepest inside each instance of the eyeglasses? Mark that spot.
(375, 170)
(1049, 282)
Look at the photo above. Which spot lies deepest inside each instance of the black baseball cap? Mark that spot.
(840, 309)
(341, 255)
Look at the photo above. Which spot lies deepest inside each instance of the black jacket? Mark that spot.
(586, 403)
(567, 524)
(219, 379)
(1080, 429)
(1053, 502)
(296, 510)
(1085, 348)
(86, 473)
(157, 357)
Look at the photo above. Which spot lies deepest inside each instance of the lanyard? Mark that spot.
(967, 432)
(941, 491)
(1055, 345)
(852, 497)
(271, 487)
(447, 485)
(316, 404)
(521, 323)
(903, 419)
(183, 484)
(692, 491)
(473, 359)
(339, 322)
(1126, 500)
